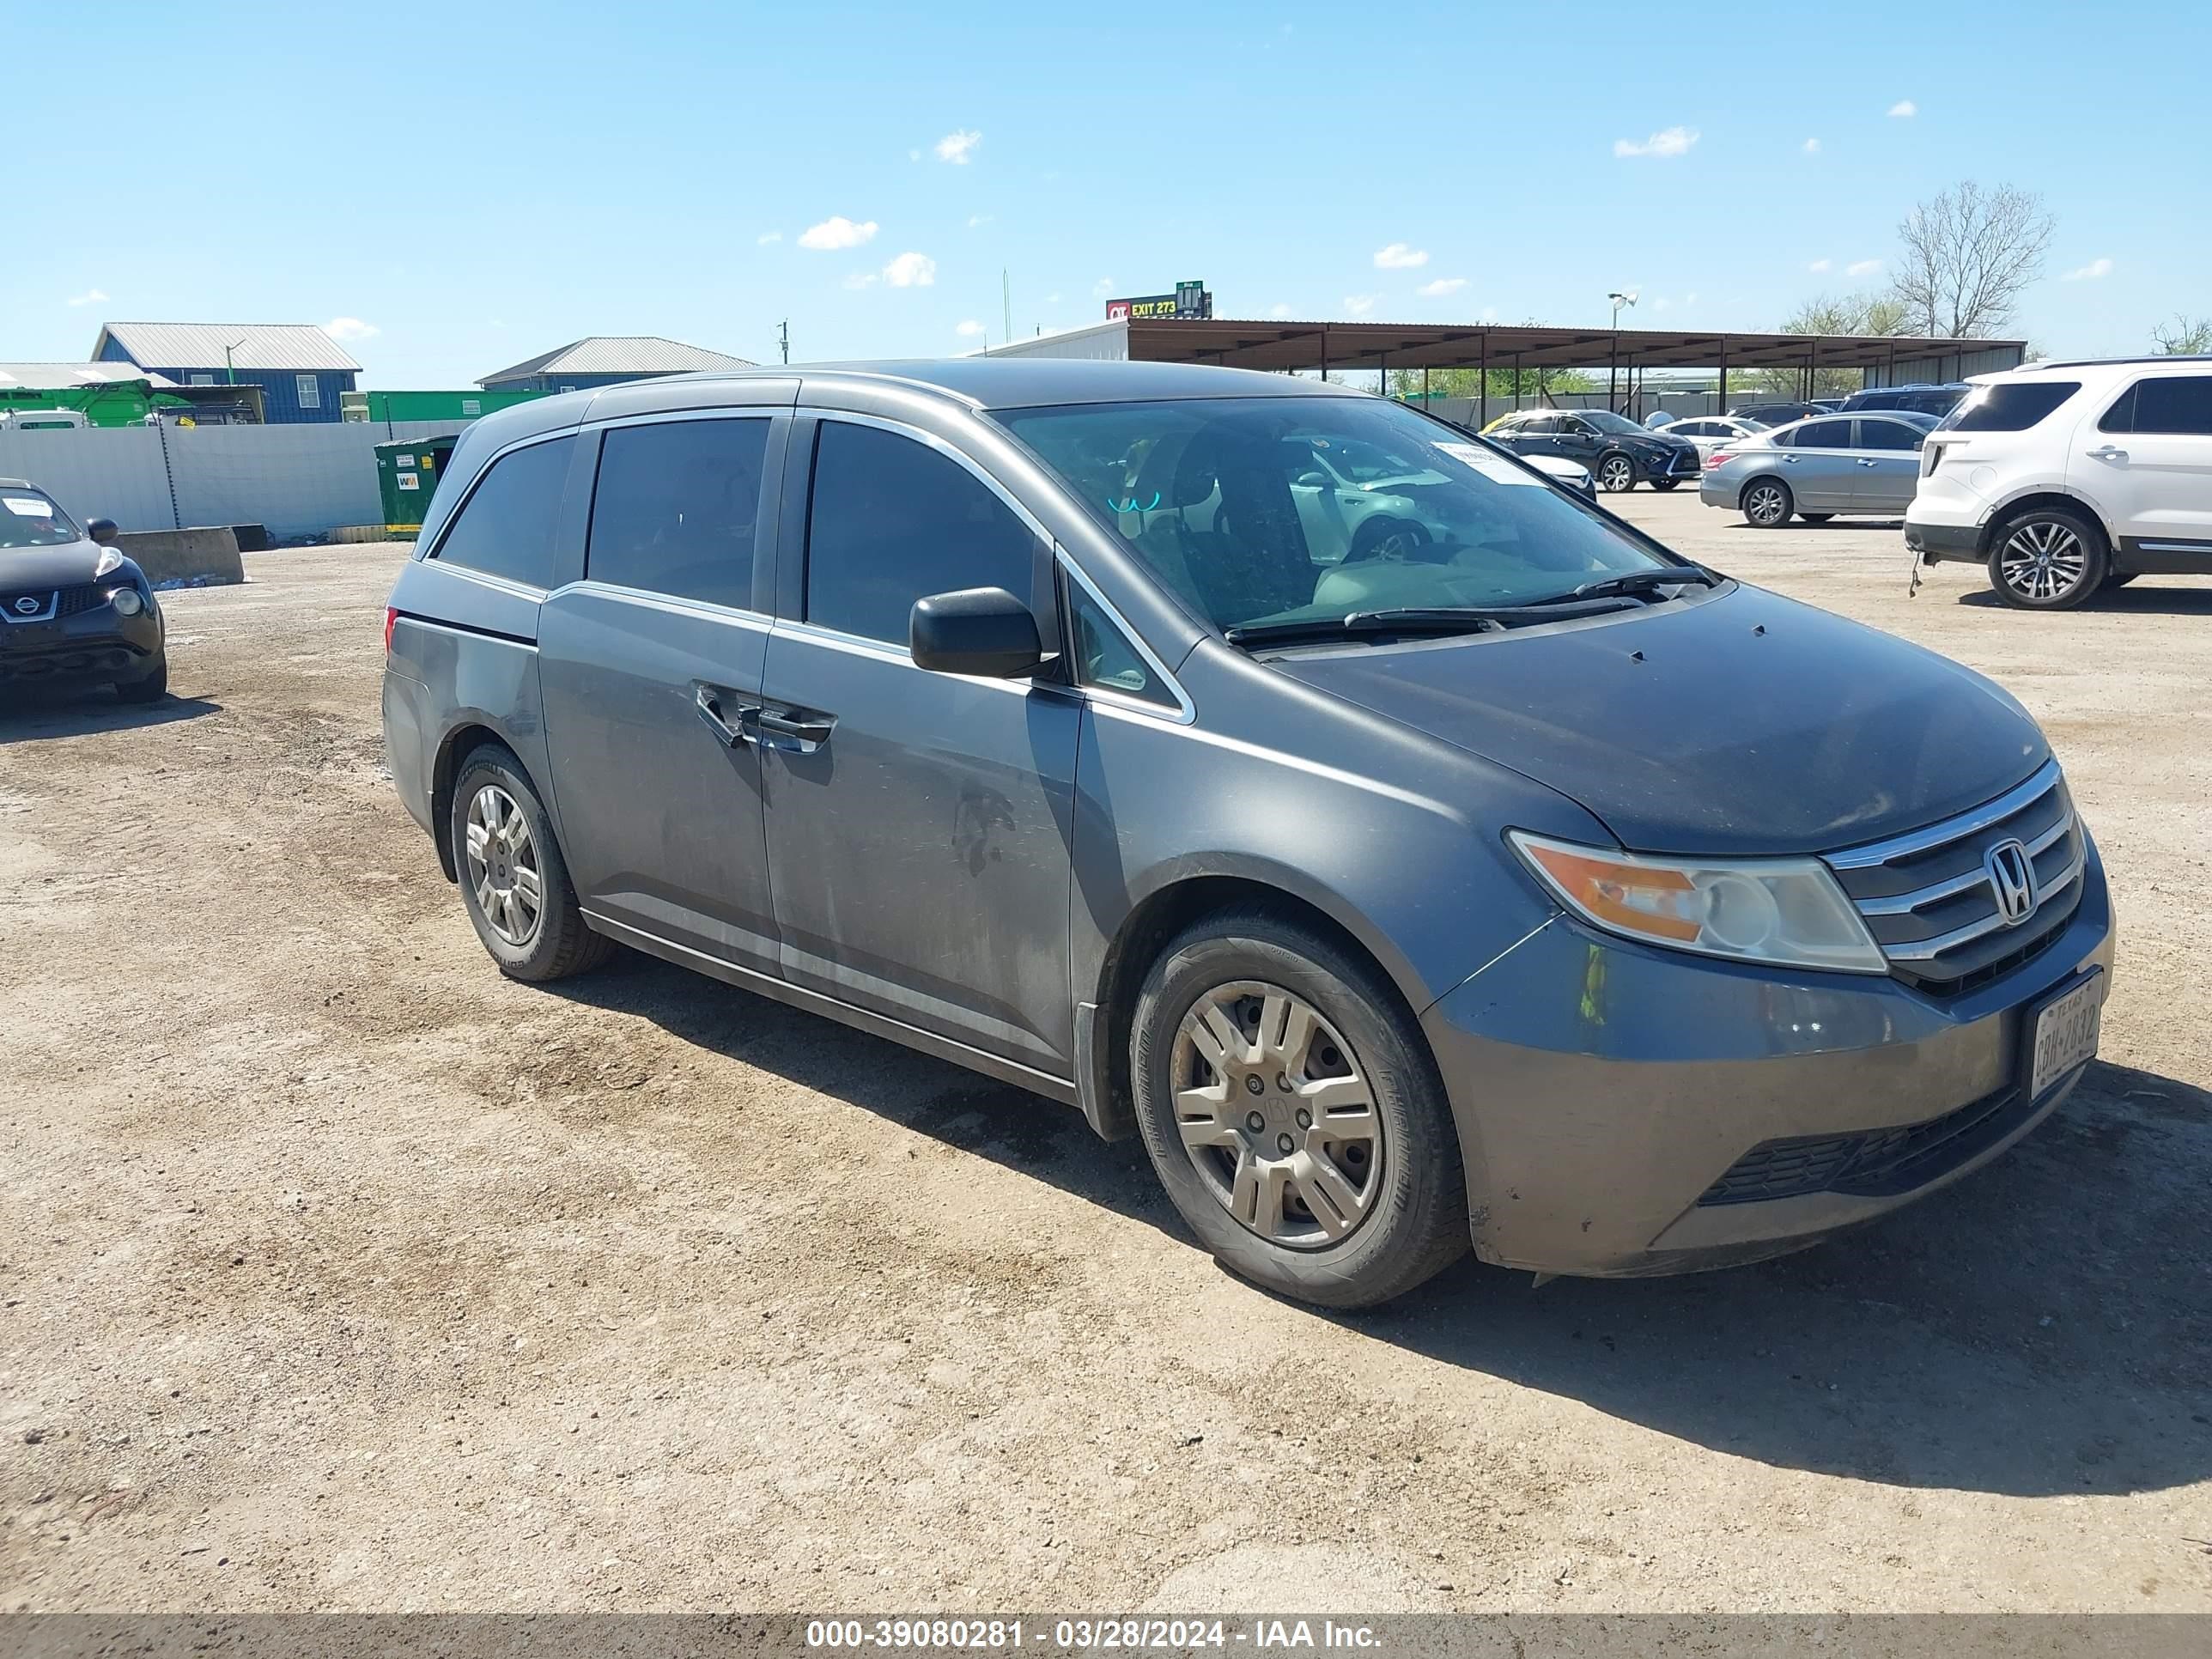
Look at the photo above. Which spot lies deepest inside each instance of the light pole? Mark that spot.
(1613, 374)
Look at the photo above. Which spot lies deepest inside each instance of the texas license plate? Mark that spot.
(2065, 1034)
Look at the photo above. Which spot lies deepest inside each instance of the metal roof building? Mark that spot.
(604, 360)
(300, 370)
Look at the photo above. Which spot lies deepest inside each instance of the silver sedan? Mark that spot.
(1818, 468)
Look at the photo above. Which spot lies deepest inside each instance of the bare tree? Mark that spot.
(1968, 253)
(1851, 313)
(2189, 337)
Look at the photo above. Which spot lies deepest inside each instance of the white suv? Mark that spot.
(2066, 479)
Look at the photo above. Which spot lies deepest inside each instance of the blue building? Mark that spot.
(299, 369)
(607, 360)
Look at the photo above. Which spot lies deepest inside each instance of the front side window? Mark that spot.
(1103, 655)
(311, 391)
(2009, 406)
(29, 518)
(2174, 403)
(505, 528)
(893, 520)
(677, 510)
(1823, 434)
(1211, 494)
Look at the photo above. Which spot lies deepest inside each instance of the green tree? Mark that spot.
(1531, 383)
(2187, 337)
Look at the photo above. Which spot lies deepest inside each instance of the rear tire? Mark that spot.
(1662, 485)
(2048, 558)
(151, 688)
(2117, 579)
(513, 881)
(1767, 503)
(1352, 1180)
(1816, 518)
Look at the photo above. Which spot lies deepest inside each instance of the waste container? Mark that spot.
(407, 474)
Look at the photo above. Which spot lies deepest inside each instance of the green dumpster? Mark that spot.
(407, 474)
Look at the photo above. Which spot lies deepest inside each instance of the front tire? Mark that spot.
(2048, 558)
(1816, 518)
(1616, 474)
(1662, 485)
(148, 688)
(1294, 1115)
(1767, 503)
(514, 880)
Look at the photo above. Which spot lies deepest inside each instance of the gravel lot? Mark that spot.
(341, 1273)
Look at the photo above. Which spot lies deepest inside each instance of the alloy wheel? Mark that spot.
(1767, 505)
(504, 872)
(2043, 560)
(1617, 474)
(1277, 1115)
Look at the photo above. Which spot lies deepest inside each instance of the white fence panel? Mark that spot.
(96, 472)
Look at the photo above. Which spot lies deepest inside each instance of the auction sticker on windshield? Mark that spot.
(28, 507)
(1491, 464)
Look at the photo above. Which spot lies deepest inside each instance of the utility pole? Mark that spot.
(1613, 374)
(783, 337)
(230, 373)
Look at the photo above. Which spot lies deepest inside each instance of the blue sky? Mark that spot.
(473, 183)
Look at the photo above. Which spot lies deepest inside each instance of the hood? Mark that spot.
(65, 566)
(1741, 723)
(1662, 440)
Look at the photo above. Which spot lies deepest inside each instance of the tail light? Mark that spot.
(1719, 458)
(391, 615)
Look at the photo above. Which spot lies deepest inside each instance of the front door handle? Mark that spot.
(795, 731)
(2108, 453)
(707, 701)
(1866, 463)
(1789, 460)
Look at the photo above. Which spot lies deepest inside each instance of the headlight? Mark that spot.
(110, 561)
(1784, 911)
(126, 601)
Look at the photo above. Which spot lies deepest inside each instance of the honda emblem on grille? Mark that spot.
(26, 604)
(2012, 879)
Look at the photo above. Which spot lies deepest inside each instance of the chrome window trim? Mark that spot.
(2045, 778)
(708, 610)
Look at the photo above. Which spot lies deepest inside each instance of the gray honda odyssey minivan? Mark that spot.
(1414, 855)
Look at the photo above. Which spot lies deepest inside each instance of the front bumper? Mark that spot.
(87, 646)
(1602, 1089)
(1936, 542)
(1675, 464)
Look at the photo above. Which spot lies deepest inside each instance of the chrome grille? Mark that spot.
(1928, 899)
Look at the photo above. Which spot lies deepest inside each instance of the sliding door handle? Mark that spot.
(795, 731)
(707, 701)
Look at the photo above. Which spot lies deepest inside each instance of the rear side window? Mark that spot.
(892, 521)
(2172, 403)
(505, 528)
(677, 507)
(2009, 406)
(1888, 435)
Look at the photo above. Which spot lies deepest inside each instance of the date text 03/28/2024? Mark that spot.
(1088, 1635)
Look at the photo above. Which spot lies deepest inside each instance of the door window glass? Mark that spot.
(2174, 403)
(892, 521)
(1823, 434)
(677, 510)
(1888, 435)
(506, 527)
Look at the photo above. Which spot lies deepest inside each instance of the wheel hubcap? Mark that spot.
(1276, 1115)
(503, 868)
(2043, 560)
(1766, 505)
(1617, 474)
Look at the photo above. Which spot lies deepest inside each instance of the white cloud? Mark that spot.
(1671, 141)
(968, 330)
(346, 328)
(1690, 298)
(1661, 303)
(976, 219)
(1812, 147)
(1399, 257)
(1052, 298)
(1278, 309)
(1905, 109)
(1862, 267)
(958, 148)
(91, 296)
(767, 236)
(1359, 304)
(861, 279)
(914, 156)
(1102, 288)
(910, 270)
(1820, 267)
(1442, 286)
(1489, 313)
(836, 232)
(2089, 272)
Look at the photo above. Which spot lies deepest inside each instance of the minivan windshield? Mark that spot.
(1286, 510)
(27, 519)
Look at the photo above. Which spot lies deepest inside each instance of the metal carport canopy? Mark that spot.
(1281, 344)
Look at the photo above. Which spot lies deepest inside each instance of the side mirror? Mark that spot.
(101, 531)
(985, 631)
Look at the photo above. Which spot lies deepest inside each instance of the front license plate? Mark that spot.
(2065, 1034)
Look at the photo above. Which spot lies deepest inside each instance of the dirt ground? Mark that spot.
(340, 1273)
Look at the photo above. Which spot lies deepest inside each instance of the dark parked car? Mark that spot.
(1934, 401)
(1775, 411)
(1528, 884)
(1619, 453)
(72, 608)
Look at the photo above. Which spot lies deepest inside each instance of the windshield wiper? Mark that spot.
(1412, 619)
(1637, 581)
